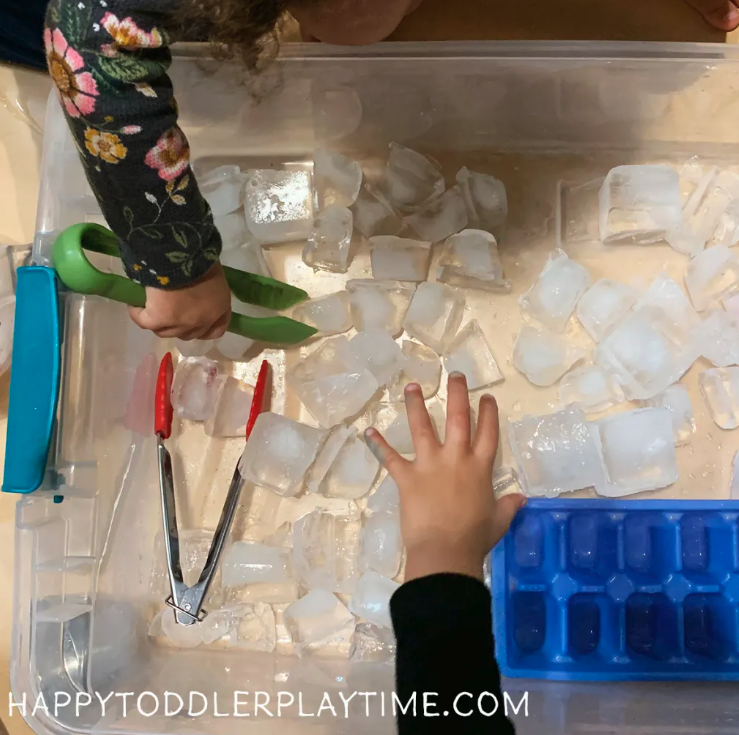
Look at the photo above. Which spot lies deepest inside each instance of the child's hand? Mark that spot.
(199, 311)
(449, 516)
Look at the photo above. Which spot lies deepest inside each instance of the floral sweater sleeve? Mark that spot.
(109, 61)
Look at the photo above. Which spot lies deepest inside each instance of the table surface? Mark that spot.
(23, 97)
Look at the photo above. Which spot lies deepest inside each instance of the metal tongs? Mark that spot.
(187, 602)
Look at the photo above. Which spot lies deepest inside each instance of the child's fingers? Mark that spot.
(422, 428)
(505, 511)
(485, 444)
(386, 455)
(457, 411)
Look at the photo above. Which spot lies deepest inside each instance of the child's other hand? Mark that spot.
(449, 515)
(202, 310)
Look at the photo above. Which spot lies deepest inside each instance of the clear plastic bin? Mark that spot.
(539, 116)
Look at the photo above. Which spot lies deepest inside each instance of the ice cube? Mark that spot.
(557, 453)
(577, 211)
(234, 346)
(470, 260)
(371, 601)
(329, 245)
(255, 630)
(373, 217)
(664, 293)
(232, 410)
(677, 400)
(353, 472)
(222, 188)
(337, 437)
(543, 356)
(727, 230)
(434, 315)
(279, 453)
(233, 230)
(554, 296)
(326, 551)
(386, 499)
(590, 388)
(376, 351)
(371, 644)
(331, 384)
(191, 636)
(278, 204)
(469, 354)
(505, 482)
(194, 347)
(647, 353)
(718, 338)
(603, 305)
(399, 259)
(639, 204)
(638, 452)
(720, 389)
(329, 314)
(247, 562)
(485, 199)
(391, 420)
(712, 275)
(318, 620)
(410, 179)
(197, 383)
(379, 304)
(421, 366)
(248, 258)
(381, 544)
(338, 178)
(441, 218)
(734, 489)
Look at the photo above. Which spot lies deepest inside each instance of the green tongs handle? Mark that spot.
(79, 275)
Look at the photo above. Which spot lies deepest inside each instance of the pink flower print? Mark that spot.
(170, 156)
(126, 34)
(76, 87)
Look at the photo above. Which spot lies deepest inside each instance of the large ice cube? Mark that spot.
(647, 353)
(470, 260)
(470, 354)
(255, 630)
(386, 499)
(331, 384)
(557, 453)
(441, 218)
(233, 230)
(379, 304)
(197, 383)
(603, 305)
(371, 644)
(552, 299)
(353, 472)
(382, 544)
(434, 315)
(232, 410)
(399, 259)
(338, 178)
(590, 388)
(371, 601)
(318, 620)
(712, 275)
(373, 217)
(638, 452)
(329, 245)
(379, 353)
(485, 199)
(677, 400)
(410, 179)
(337, 437)
(278, 204)
(639, 204)
(326, 551)
(279, 453)
(421, 366)
(718, 338)
(221, 188)
(543, 356)
(234, 346)
(720, 389)
(248, 258)
(664, 293)
(328, 314)
(246, 562)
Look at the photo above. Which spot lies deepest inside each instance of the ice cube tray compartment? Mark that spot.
(617, 590)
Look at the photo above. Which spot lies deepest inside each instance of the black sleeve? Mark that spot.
(443, 627)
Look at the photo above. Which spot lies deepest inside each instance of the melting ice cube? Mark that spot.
(248, 258)
(639, 452)
(318, 620)
(485, 198)
(373, 217)
(371, 601)
(470, 259)
(255, 630)
(329, 314)
(233, 230)
(720, 388)
(197, 383)
(410, 179)
(552, 299)
(233, 346)
(232, 410)
(603, 305)
(470, 354)
(718, 338)
(441, 218)
(249, 563)
(279, 453)
(329, 245)
(386, 499)
(382, 544)
(664, 293)
(221, 188)
(712, 275)
(400, 259)
(353, 472)
(542, 356)
(371, 644)
(338, 178)
(677, 400)
(376, 351)
(590, 388)
(434, 315)
(421, 366)
(194, 347)
(337, 437)
(379, 304)
(391, 420)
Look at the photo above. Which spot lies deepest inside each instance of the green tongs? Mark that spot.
(79, 275)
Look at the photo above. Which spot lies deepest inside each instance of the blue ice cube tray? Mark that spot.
(598, 590)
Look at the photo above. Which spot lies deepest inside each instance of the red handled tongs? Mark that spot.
(187, 602)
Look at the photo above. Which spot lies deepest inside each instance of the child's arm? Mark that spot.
(109, 61)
